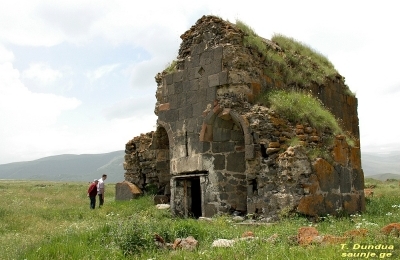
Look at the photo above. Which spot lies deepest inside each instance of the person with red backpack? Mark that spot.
(92, 193)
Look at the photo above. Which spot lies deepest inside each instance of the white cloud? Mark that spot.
(5, 55)
(42, 73)
(142, 105)
(28, 117)
(358, 37)
(101, 72)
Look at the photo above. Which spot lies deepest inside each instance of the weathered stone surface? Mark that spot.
(306, 235)
(189, 243)
(328, 178)
(391, 229)
(214, 144)
(312, 205)
(126, 190)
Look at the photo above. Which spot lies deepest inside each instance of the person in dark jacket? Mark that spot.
(92, 193)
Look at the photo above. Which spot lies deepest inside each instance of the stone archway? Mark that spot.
(229, 136)
(161, 147)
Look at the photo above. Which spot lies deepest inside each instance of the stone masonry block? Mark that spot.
(221, 134)
(211, 94)
(223, 147)
(169, 78)
(195, 58)
(249, 151)
(191, 97)
(173, 101)
(351, 203)
(206, 133)
(185, 112)
(203, 82)
(178, 76)
(345, 178)
(204, 58)
(213, 80)
(358, 179)
(171, 115)
(188, 63)
(194, 84)
(235, 162)
(312, 205)
(332, 203)
(163, 107)
(197, 109)
(171, 89)
(178, 87)
(218, 53)
(185, 86)
(327, 176)
(223, 78)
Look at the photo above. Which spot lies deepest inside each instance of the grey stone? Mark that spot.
(222, 147)
(219, 162)
(236, 162)
(213, 80)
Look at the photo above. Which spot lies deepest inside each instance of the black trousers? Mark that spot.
(101, 200)
(92, 202)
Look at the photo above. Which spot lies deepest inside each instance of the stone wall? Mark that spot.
(216, 150)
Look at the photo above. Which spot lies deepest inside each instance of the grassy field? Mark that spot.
(52, 220)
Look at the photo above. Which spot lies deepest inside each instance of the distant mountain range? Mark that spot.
(68, 167)
(86, 167)
(381, 166)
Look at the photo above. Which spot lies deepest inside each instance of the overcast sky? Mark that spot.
(78, 76)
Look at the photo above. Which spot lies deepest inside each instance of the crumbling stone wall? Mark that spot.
(215, 140)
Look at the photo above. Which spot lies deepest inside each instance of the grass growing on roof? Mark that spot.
(171, 67)
(301, 107)
(293, 63)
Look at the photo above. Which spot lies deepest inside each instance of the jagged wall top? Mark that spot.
(213, 31)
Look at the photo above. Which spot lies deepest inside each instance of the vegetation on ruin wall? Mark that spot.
(300, 107)
(171, 67)
(52, 220)
(293, 63)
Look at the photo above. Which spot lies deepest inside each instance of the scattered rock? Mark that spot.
(223, 243)
(189, 243)
(273, 238)
(238, 219)
(306, 235)
(392, 229)
(248, 234)
(163, 206)
(361, 232)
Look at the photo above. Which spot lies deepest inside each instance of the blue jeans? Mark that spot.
(92, 202)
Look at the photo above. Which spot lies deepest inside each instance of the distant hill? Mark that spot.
(378, 164)
(384, 176)
(68, 167)
(86, 167)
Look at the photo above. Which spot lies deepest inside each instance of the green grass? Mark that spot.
(301, 108)
(171, 67)
(52, 220)
(292, 63)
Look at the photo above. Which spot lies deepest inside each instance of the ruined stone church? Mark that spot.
(216, 149)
